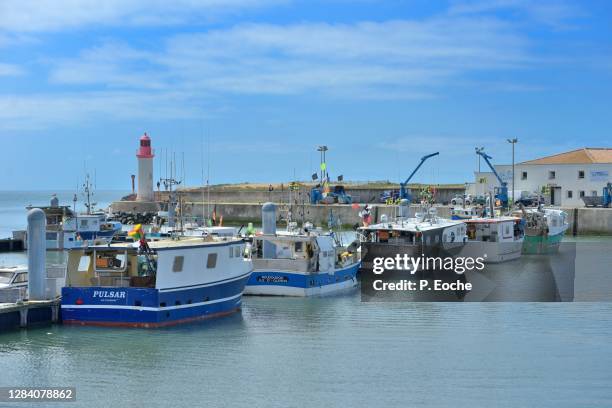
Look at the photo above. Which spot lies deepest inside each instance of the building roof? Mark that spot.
(586, 155)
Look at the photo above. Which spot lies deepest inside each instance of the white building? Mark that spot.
(562, 178)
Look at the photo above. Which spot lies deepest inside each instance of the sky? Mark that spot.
(245, 90)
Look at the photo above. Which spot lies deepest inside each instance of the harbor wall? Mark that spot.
(584, 221)
(281, 195)
(318, 214)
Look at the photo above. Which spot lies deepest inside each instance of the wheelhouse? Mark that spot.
(111, 267)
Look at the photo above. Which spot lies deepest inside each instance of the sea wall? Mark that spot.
(583, 221)
(586, 221)
(318, 214)
(281, 195)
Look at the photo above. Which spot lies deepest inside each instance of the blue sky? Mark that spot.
(263, 82)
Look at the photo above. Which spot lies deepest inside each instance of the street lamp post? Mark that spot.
(322, 150)
(478, 150)
(512, 142)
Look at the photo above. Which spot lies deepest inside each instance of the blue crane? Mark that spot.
(501, 193)
(403, 193)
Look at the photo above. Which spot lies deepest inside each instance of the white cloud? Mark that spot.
(39, 111)
(10, 70)
(383, 60)
(52, 15)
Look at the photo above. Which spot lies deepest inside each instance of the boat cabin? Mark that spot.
(505, 229)
(111, 267)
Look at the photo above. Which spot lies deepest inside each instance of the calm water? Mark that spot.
(331, 352)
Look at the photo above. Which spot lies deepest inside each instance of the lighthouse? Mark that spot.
(145, 169)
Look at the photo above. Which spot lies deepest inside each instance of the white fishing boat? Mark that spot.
(426, 234)
(496, 239)
(300, 261)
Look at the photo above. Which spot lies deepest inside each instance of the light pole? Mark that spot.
(512, 142)
(323, 149)
(479, 150)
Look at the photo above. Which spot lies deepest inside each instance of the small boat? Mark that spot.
(15, 277)
(154, 284)
(465, 213)
(544, 229)
(496, 239)
(426, 234)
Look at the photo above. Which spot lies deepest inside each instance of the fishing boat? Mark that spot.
(154, 284)
(496, 239)
(67, 229)
(544, 229)
(425, 234)
(304, 261)
(465, 213)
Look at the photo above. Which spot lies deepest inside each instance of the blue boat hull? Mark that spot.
(285, 283)
(149, 307)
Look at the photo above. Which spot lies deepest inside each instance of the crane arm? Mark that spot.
(423, 159)
(486, 157)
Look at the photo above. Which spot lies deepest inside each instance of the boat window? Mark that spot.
(5, 277)
(231, 252)
(237, 251)
(110, 261)
(21, 278)
(51, 236)
(212, 261)
(83, 223)
(177, 266)
(84, 263)
(299, 246)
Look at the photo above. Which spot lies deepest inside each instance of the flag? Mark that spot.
(136, 233)
(214, 215)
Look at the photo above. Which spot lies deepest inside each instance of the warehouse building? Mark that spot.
(563, 178)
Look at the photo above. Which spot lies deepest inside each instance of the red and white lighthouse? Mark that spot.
(145, 169)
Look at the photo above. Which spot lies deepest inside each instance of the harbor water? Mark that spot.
(329, 352)
(333, 352)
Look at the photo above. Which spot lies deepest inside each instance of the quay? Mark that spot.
(11, 245)
(28, 313)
